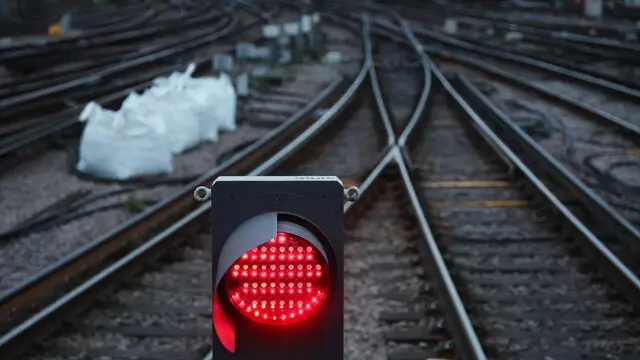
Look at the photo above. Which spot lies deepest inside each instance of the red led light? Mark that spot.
(280, 282)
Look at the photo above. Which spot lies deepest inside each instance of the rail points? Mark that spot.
(401, 181)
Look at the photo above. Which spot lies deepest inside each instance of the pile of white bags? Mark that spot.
(117, 145)
(175, 114)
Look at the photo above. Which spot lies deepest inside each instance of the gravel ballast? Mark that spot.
(382, 263)
(42, 181)
(531, 295)
(559, 128)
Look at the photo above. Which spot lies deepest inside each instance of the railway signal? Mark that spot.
(277, 273)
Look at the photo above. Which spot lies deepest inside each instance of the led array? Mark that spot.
(282, 281)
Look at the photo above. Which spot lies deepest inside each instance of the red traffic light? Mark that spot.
(277, 247)
(280, 282)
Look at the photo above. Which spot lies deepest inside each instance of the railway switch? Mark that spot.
(277, 274)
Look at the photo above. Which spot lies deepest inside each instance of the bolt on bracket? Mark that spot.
(202, 194)
(352, 194)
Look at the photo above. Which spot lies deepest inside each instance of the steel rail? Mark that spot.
(377, 92)
(519, 59)
(176, 47)
(390, 156)
(47, 127)
(518, 138)
(587, 109)
(465, 338)
(561, 36)
(40, 47)
(511, 23)
(606, 82)
(98, 18)
(557, 60)
(66, 81)
(49, 47)
(562, 24)
(615, 270)
(81, 22)
(598, 41)
(624, 51)
(40, 324)
(29, 293)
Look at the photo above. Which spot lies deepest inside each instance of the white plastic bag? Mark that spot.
(119, 146)
(93, 109)
(220, 99)
(205, 112)
(214, 99)
(178, 113)
(175, 114)
(177, 80)
(226, 104)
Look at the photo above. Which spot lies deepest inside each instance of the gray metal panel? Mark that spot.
(276, 178)
(318, 203)
(256, 231)
(299, 230)
(250, 234)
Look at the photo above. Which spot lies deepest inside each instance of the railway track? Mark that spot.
(528, 282)
(26, 25)
(347, 98)
(585, 132)
(585, 58)
(585, 77)
(21, 300)
(93, 208)
(615, 65)
(400, 76)
(120, 58)
(455, 249)
(514, 283)
(187, 326)
(51, 97)
(30, 54)
(613, 29)
(608, 58)
(597, 76)
(25, 133)
(155, 18)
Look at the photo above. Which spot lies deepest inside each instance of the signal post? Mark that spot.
(278, 267)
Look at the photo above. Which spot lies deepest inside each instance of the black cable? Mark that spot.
(51, 222)
(74, 211)
(72, 150)
(596, 139)
(542, 126)
(612, 183)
